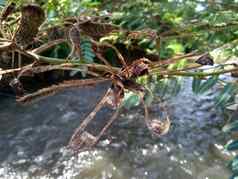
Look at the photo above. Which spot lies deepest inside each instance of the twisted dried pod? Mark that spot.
(96, 30)
(159, 128)
(57, 88)
(137, 68)
(205, 60)
(32, 16)
(84, 140)
(74, 36)
(8, 10)
(17, 87)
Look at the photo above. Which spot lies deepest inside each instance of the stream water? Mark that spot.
(32, 140)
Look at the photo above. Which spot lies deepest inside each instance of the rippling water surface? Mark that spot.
(32, 140)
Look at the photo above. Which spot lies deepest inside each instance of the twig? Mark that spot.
(109, 123)
(57, 88)
(89, 118)
(48, 45)
(191, 74)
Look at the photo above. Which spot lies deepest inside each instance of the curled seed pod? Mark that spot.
(96, 30)
(137, 68)
(140, 67)
(116, 95)
(205, 60)
(32, 16)
(74, 36)
(17, 87)
(8, 10)
(159, 128)
(84, 140)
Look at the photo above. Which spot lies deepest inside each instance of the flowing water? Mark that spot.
(33, 139)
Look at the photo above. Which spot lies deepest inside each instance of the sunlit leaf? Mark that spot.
(208, 84)
(196, 84)
(230, 127)
(234, 165)
(176, 47)
(234, 176)
(87, 51)
(227, 93)
(232, 145)
(2, 2)
(149, 97)
(131, 100)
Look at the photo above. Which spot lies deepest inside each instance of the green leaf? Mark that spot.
(88, 59)
(234, 176)
(231, 127)
(199, 87)
(224, 97)
(232, 145)
(181, 64)
(149, 97)
(88, 53)
(234, 164)
(86, 44)
(175, 86)
(176, 46)
(196, 84)
(2, 2)
(131, 100)
(208, 84)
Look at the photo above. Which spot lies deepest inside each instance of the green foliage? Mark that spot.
(2, 2)
(168, 87)
(130, 100)
(232, 127)
(226, 95)
(60, 51)
(231, 146)
(200, 87)
(87, 51)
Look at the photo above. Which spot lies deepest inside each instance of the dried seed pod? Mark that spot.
(147, 33)
(74, 36)
(116, 96)
(55, 33)
(8, 10)
(137, 68)
(159, 128)
(32, 16)
(140, 67)
(96, 30)
(84, 140)
(205, 60)
(17, 87)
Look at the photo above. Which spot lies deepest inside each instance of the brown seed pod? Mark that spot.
(137, 68)
(96, 30)
(116, 93)
(74, 36)
(17, 87)
(84, 140)
(32, 16)
(159, 128)
(8, 10)
(205, 60)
